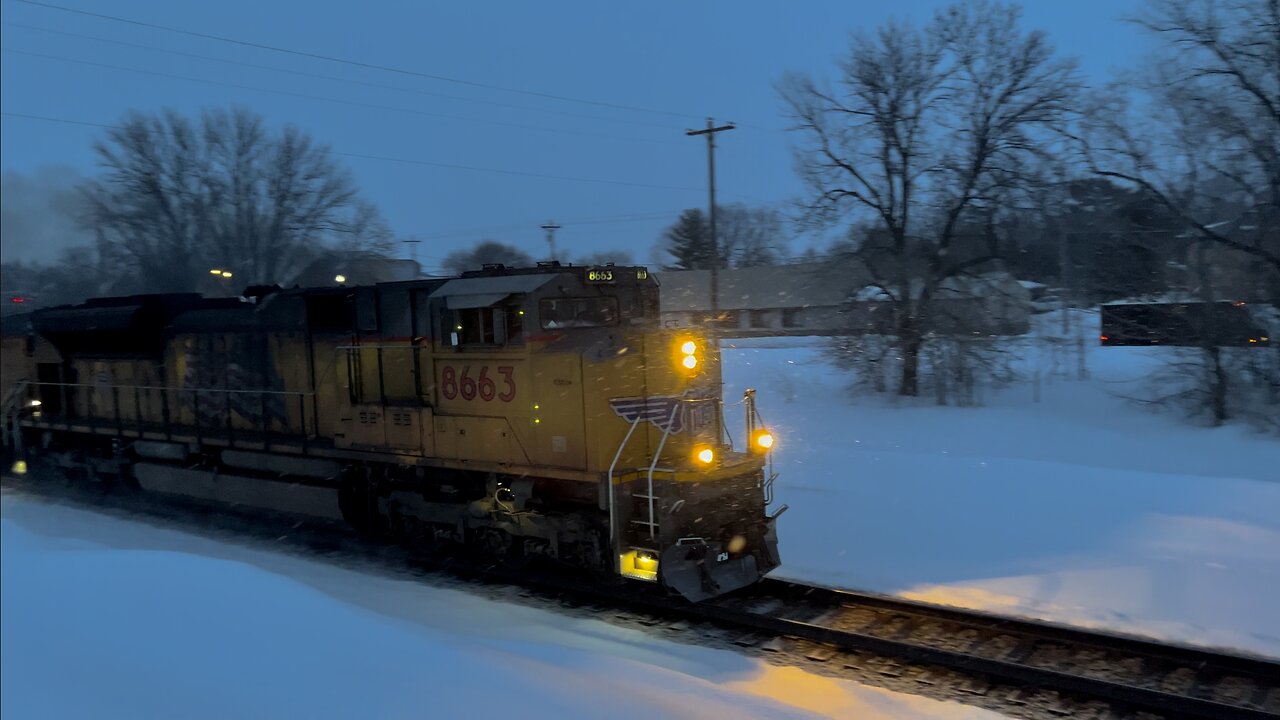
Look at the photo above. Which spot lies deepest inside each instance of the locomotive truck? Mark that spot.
(520, 413)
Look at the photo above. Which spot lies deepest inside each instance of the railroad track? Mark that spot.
(1091, 672)
(1019, 667)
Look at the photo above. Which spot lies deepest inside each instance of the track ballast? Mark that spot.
(1019, 667)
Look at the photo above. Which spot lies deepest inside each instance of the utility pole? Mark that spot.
(413, 244)
(551, 227)
(710, 131)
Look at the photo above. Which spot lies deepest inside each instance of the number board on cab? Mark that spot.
(612, 274)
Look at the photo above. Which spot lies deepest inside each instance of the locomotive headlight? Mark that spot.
(34, 403)
(705, 455)
(689, 349)
(761, 441)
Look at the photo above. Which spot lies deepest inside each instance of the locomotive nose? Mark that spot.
(699, 569)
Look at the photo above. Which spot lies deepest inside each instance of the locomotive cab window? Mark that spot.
(501, 325)
(582, 312)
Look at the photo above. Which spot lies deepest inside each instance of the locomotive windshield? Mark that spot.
(582, 312)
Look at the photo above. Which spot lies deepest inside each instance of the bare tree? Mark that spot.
(750, 236)
(486, 253)
(927, 131)
(1202, 135)
(1198, 132)
(604, 257)
(746, 236)
(178, 197)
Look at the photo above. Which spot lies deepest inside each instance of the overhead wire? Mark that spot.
(407, 161)
(322, 98)
(456, 233)
(335, 78)
(355, 63)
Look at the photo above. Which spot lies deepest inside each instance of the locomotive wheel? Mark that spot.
(493, 543)
(409, 531)
(359, 508)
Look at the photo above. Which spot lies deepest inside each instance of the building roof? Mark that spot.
(761, 288)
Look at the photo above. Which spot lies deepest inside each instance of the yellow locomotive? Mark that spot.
(521, 412)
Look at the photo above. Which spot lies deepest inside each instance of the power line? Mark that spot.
(608, 220)
(322, 98)
(406, 161)
(517, 173)
(334, 78)
(64, 121)
(354, 63)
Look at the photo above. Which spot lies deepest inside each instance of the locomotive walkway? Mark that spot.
(1018, 667)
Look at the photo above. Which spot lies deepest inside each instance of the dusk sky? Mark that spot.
(628, 80)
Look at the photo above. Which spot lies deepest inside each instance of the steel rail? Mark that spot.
(1133, 696)
(1169, 652)
(736, 612)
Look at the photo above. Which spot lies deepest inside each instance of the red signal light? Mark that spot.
(18, 300)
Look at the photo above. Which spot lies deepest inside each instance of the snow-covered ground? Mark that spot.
(1080, 508)
(104, 618)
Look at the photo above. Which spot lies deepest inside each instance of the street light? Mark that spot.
(339, 279)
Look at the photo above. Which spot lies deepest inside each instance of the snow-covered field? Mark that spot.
(103, 618)
(1080, 508)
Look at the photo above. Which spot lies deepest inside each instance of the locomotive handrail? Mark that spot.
(613, 518)
(657, 455)
(262, 423)
(9, 414)
(172, 387)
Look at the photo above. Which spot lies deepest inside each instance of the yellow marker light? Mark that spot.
(689, 348)
(689, 361)
(639, 565)
(705, 455)
(647, 561)
(20, 467)
(215, 271)
(226, 273)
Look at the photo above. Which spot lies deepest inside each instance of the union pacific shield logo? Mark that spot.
(656, 409)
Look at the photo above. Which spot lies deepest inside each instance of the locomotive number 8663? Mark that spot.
(516, 412)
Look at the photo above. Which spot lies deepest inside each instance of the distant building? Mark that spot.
(838, 297)
(799, 299)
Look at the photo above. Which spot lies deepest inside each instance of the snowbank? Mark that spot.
(1080, 508)
(110, 619)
